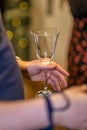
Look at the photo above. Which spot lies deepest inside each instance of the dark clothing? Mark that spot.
(77, 58)
(78, 8)
(11, 86)
(49, 128)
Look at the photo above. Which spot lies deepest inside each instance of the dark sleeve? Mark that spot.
(78, 7)
(11, 85)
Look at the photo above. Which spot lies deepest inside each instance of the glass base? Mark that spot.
(42, 93)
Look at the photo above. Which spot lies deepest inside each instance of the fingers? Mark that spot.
(56, 80)
(53, 65)
(60, 78)
(56, 87)
(60, 69)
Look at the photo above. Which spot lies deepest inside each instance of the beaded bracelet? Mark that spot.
(51, 109)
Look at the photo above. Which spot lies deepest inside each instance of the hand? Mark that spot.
(75, 117)
(55, 73)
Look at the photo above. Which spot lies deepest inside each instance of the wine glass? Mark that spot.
(45, 40)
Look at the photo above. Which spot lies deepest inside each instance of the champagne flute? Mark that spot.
(45, 40)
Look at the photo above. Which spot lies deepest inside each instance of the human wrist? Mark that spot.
(59, 103)
(22, 64)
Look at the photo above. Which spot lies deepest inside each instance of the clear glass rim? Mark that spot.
(45, 31)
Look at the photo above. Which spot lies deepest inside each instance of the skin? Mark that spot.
(22, 115)
(75, 117)
(36, 72)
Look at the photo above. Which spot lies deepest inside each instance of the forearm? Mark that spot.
(23, 67)
(75, 117)
(22, 64)
(23, 115)
(33, 114)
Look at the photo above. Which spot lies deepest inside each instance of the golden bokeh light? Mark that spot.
(10, 34)
(16, 22)
(23, 43)
(23, 5)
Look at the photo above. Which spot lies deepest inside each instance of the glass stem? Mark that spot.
(45, 80)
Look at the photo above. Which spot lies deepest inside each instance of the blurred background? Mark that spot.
(20, 16)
